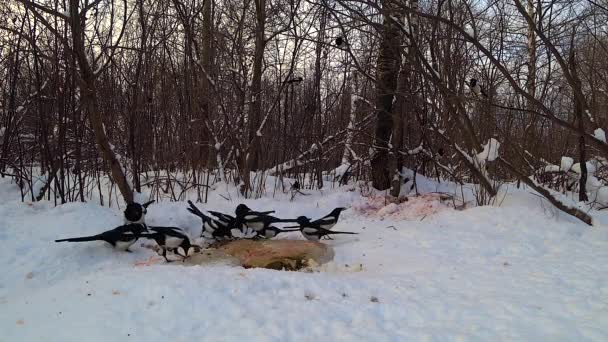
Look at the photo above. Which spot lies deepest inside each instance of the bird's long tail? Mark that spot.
(82, 239)
(287, 221)
(196, 211)
(334, 232)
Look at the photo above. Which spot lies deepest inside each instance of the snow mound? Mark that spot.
(600, 134)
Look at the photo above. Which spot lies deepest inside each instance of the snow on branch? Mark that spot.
(548, 194)
(299, 160)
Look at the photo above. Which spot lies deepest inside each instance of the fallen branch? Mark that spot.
(579, 214)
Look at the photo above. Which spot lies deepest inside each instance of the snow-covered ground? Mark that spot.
(518, 272)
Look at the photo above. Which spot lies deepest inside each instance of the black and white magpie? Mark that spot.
(476, 88)
(329, 221)
(213, 229)
(136, 213)
(313, 230)
(172, 239)
(121, 237)
(294, 80)
(256, 220)
(272, 231)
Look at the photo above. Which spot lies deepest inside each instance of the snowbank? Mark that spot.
(519, 272)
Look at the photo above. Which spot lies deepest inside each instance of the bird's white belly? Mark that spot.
(123, 245)
(310, 234)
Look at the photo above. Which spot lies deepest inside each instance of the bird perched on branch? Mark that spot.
(313, 230)
(255, 219)
(340, 41)
(294, 80)
(136, 213)
(120, 238)
(476, 88)
(172, 239)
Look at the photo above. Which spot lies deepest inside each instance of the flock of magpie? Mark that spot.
(245, 224)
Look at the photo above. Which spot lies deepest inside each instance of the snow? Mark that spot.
(489, 153)
(518, 272)
(468, 29)
(589, 115)
(552, 168)
(600, 134)
(566, 164)
(591, 167)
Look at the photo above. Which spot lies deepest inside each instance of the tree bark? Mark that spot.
(251, 155)
(90, 104)
(386, 85)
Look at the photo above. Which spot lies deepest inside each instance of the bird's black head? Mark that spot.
(473, 82)
(339, 41)
(336, 212)
(241, 210)
(134, 213)
(302, 220)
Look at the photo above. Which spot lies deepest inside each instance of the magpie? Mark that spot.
(136, 213)
(213, 229)
(272, 231)
(313, 230)
(295, 186)
(476, 88)
(229, 219)
(294, 80)
(329, 221)
(255, 219)
(172, 239)
(121, 237)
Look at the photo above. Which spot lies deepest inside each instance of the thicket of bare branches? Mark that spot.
(198, 91)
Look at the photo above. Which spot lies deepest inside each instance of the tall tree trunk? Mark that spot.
(317, 87)
(251, 154)
(386, 85)
(404, 104)
(206, 98)
(578, 112)
(530, 133)
(90, 103)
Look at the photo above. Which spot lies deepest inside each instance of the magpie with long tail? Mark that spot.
(229, 219)
(272, 231)
(257, 220)
(329, 221)
(213, 229)
(136, 213)
(313, 231)
(172, 239)
(236, 229)
(121, 237)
